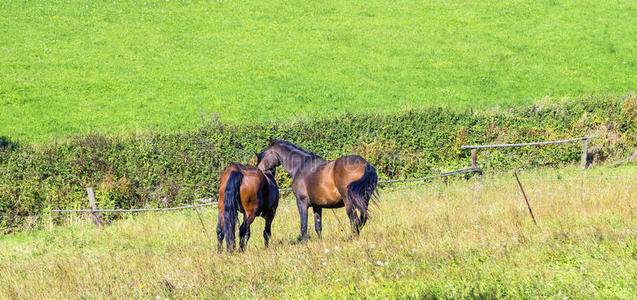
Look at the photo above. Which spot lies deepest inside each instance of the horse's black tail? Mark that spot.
(361, 191)
(230, 205)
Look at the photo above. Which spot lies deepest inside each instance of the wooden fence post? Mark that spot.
(474, 158)
(584, 154)
(91, 200)
(194, 206)
(524, 194)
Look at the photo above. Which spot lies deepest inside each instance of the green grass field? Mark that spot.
(74, 67)
(474, 243)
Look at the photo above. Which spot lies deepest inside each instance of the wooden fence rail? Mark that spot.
(584, 157)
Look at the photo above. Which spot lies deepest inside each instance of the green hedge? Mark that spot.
(166, 169)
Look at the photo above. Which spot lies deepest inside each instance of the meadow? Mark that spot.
(113, 67)
(455, 239)
(146, 101)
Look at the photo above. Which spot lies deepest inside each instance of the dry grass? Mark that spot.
(418, 243)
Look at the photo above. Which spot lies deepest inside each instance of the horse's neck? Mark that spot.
(306, 162)
(287, 164)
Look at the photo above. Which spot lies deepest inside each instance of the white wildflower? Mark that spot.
(327, 250)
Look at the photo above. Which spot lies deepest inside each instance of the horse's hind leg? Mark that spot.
(220, 232)
(350, 209)
(267, 230)
(244, 231)
(318, 223)
(353, 218)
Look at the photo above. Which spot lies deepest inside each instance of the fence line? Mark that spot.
(393, 198)
(134, 209)
(526, 144)
(629, 158)
(581, 178)
(474, 168)
(583, 159)
(482, 186)
(454, 172)
(479, 187)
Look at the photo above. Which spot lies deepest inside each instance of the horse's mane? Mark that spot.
(291, 146)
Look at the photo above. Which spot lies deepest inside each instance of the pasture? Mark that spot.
(463, 238)
(116, 67)
(146, 101)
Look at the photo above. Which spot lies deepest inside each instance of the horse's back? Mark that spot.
(257, 192)
(223, 180)
(249, 172)
(251, 182)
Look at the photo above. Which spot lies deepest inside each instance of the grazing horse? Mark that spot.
(253, 192)
(349, 181)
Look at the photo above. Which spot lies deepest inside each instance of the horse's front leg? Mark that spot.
(302, 203)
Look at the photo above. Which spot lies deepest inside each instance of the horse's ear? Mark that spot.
(285, 136)
(255, 153)
(271, 142)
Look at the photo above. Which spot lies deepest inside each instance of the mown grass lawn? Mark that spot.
(74, 67)
(466, 239)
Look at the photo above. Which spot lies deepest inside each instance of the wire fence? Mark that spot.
(482, 186)
(474, 168)
(450, 173)
(455, 172)
(135, 209)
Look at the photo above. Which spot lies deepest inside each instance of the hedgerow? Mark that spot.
(158, 169)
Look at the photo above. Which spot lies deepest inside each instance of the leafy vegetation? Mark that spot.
(113, 67)
(167, 169)
(475, 240)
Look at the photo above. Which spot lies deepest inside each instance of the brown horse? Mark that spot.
(251, 191)
(349, 181)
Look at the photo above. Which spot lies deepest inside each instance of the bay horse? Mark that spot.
(251, 191)
(348, 181)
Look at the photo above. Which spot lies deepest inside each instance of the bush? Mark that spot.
(167, 169)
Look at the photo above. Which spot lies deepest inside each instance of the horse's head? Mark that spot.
(268, 158)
